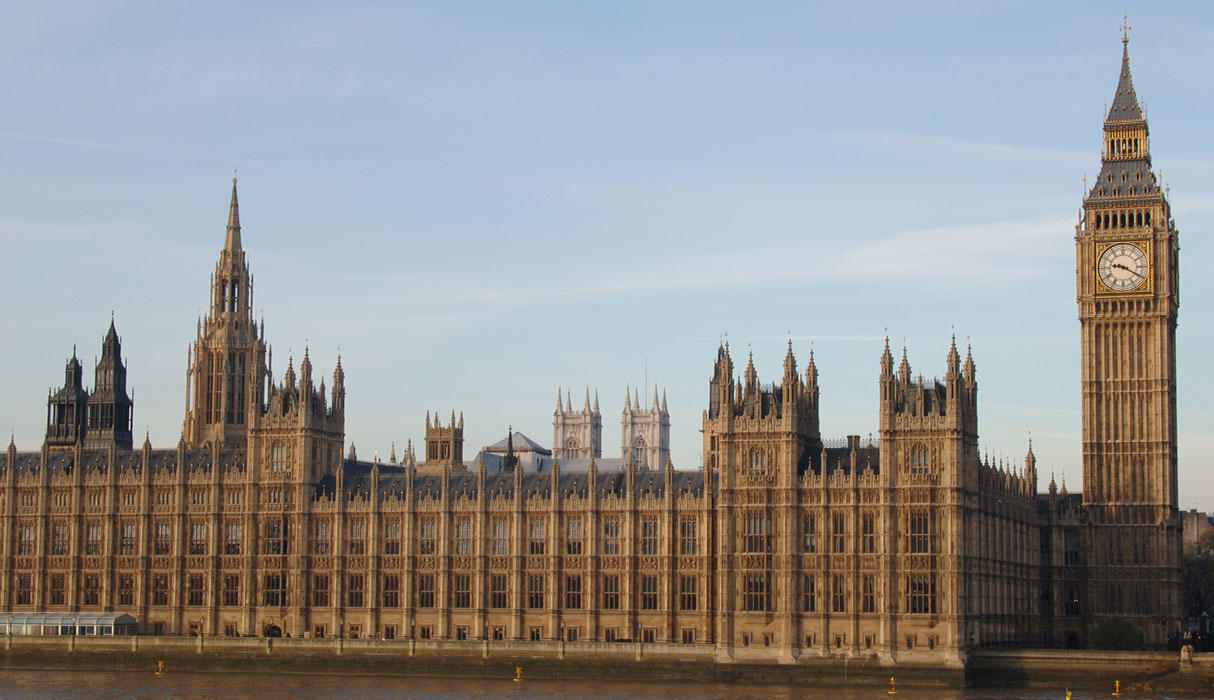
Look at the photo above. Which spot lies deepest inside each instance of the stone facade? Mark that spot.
(577, 434)
(782, 544)
(645, 433)
(1127, 249)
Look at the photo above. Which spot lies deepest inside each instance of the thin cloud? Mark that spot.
(941, 147)
(956, 253)
(128, 148)
(827, 338)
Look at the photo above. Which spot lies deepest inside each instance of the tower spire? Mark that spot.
(1125, 103)
(232, 243)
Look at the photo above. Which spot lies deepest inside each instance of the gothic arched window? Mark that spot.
(758, 461)
(640, 454)
(920, 459)
(278, 457)
(571, 444)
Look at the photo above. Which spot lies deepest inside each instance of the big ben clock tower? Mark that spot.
(1127, 287)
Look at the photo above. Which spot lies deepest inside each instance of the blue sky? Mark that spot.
(480, 202)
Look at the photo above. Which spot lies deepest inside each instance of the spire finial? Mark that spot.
(233, 240)
(1125, 27)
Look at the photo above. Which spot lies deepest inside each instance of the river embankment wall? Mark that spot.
(1142, 671)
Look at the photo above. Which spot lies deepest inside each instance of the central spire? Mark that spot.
(232, 243)
(1125, 103)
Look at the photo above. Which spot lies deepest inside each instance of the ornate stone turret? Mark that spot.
(297, 431)
(444, 444)
(929, 429)
(110, 409)
(742, 423)
(227, 370)
(67, 409)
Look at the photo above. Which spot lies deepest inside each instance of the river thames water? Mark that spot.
(235, 686)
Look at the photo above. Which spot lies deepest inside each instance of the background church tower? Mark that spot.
(227, 368)
(577, 434)
(1126, 252)
(645, 434)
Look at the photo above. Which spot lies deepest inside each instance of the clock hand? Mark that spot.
(1123, 267)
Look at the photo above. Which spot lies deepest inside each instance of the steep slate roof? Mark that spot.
(393, 480)
(94, 461)
(60, 462)
(1125, 103)
(132, 461)
(522, 443)
(606, 464)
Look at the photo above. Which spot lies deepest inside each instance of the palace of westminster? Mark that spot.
(781, 545)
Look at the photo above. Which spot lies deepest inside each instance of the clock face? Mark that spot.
(1123, 267)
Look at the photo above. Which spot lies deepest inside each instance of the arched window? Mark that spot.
(758, 461)
(640, 456)
(571, 444)
(920, 459)
(278, 457)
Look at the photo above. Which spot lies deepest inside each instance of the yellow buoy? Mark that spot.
(893, 687)
(159, 668)
(1116, 689)
(518, 674)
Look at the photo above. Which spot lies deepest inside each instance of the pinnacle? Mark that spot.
(232, 243)
(1125, 102)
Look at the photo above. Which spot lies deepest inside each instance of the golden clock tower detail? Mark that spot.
(1127, 282)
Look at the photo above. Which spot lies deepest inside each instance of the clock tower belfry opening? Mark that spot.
(1126, 251)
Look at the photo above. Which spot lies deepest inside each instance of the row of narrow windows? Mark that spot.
(1131, 219)
(230, 291)
(98, 417)
(234, 387)
(1124, 147)
(1121, 307)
